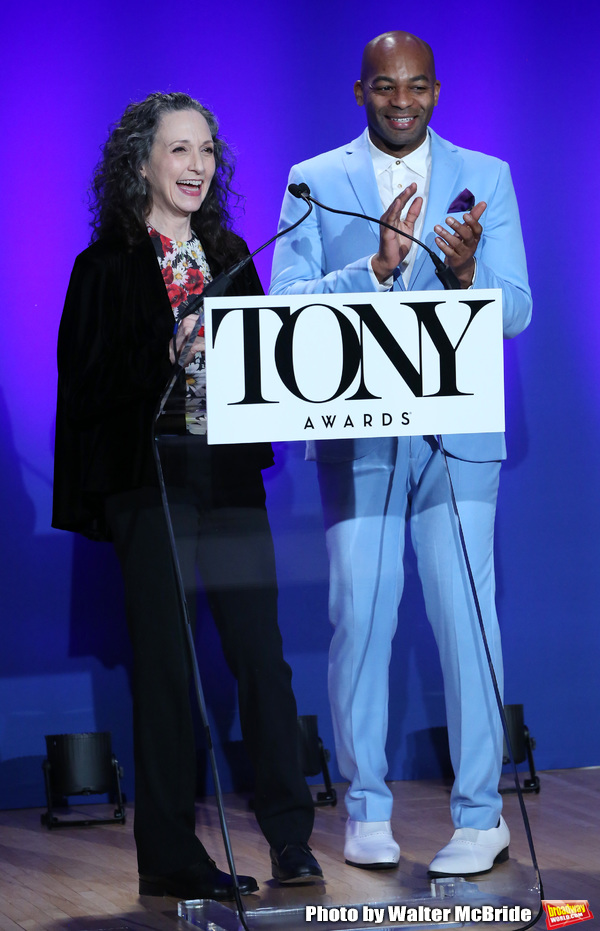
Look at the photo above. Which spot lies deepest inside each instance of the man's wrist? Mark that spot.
(466, 275)
(383, 275)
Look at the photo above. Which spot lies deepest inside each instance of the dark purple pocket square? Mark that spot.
(463, 202)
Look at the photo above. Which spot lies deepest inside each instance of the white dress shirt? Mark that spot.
(393, 175)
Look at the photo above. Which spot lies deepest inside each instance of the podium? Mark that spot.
(347, 367)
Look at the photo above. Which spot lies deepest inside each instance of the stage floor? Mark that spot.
(85, 878)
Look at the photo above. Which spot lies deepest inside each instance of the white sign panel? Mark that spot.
(328, 366)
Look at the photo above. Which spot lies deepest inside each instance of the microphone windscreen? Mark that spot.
(297, 190)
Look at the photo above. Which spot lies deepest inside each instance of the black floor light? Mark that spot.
(522, 744)
(81, 764)
(315, 757)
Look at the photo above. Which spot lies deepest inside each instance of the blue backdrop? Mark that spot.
(515, 83)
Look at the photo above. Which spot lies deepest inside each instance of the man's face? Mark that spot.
(399, 91)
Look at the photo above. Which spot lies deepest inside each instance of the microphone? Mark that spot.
(299, 190)
(219, 285)
(443, 272)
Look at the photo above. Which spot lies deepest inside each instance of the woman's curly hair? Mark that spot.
(120, 197)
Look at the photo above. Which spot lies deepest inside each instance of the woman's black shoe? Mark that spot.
(295, 864)
(201, 881)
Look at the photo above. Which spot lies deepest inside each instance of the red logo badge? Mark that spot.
(560, 913)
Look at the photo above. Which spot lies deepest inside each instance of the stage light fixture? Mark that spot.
(81, 764)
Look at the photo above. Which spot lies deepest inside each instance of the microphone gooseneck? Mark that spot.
(443, 272)
(219, 285)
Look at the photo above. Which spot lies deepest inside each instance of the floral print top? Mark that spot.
(185, 272)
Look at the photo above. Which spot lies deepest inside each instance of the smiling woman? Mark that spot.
(161, 232)
(179, 171)
(173, 138)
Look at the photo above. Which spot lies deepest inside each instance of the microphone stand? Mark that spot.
(493, 677)
(451, 283)
(199, 692)
(216, 287)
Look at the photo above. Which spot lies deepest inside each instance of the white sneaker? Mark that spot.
(471, 851)
(370, 845)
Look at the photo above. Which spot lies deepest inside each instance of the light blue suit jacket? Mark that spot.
(330, 253)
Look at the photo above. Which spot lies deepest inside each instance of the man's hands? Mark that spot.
(459, 245)
(393, 248)
(183, 331)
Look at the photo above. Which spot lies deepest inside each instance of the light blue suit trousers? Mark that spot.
(366, 505)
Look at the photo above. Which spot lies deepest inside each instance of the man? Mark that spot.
(371, 487)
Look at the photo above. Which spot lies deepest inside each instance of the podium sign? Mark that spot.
(331, 366)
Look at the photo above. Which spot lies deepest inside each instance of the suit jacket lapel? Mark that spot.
(446, 163)
(361, 175)
(359, 167)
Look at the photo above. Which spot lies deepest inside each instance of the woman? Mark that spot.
(161, 232)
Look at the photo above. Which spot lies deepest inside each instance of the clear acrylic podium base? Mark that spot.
(509, 898)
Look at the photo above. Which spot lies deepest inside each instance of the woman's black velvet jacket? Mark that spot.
(113, 364)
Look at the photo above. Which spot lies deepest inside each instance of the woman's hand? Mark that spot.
(183, 332)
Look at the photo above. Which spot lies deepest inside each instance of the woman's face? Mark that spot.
(180, 167)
